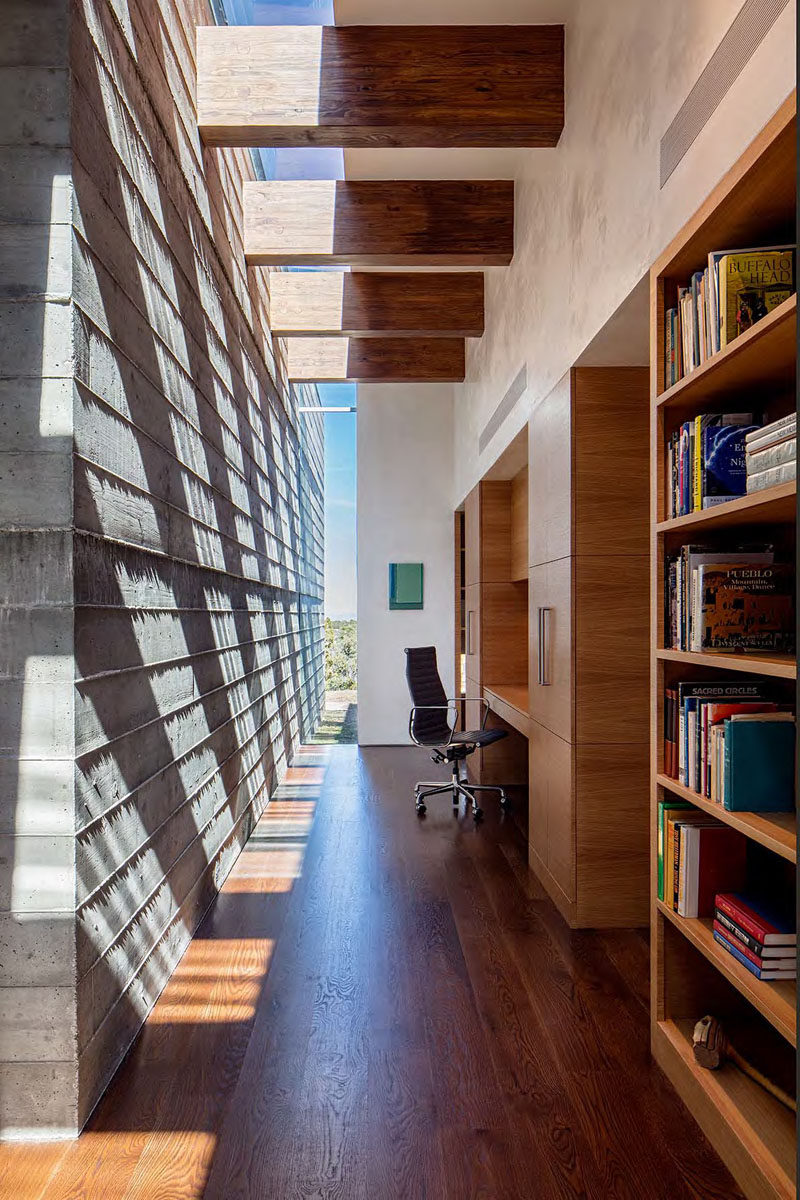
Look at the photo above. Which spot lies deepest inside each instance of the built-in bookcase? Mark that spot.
(753, 205)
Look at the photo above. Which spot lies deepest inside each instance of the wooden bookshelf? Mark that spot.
(758, 508)
(777, 666)
(776, 831)
(753, 205)
(775, 999)
(752, 1130)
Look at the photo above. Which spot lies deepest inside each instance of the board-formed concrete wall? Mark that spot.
(178, 518)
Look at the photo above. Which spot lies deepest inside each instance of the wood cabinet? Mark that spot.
(588, 638)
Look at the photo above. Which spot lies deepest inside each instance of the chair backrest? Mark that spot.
(429, 726)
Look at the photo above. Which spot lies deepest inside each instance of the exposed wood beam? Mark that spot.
(376, 304)
(378, 222)
(372, 85)
(375, 360)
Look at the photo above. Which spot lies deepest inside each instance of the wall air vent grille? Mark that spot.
(748, 29)
(515, 390)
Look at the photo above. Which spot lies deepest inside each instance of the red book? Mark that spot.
(716, 856)
(768, 928)
(768, 964)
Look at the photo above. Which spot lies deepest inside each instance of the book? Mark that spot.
(711, 714)
(737, 933)
(772, 477)
(721, 465)
(667, 811)
(690, 557)
(786, 960)
(774, 455)
(690, 693)
(759, 763)
(752, 282)
(712, 856)
(776, 431)
(769, 926)
(759, 972)
(743, 607)
(672, 852)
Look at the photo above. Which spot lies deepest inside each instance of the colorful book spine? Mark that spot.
(740, 956)
(753, 955)
(764, 929)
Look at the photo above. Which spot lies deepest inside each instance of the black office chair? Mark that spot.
(429, 726)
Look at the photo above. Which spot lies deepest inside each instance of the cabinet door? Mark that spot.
(472, 635)
(551, 806)
(550, 636)
(550, 476)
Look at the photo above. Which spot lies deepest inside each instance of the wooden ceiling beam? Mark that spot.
(368, 304)
(373, 85)
(375, 360)
(379, 222)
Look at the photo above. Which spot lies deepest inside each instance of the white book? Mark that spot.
(775, 431)
(773, 456)
(772, 477)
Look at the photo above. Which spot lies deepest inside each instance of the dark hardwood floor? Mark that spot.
(378, 1008)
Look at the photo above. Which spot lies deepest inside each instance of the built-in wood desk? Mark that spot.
(510, 702)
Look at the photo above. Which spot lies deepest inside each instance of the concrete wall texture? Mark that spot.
(405, 514)
(161, 532)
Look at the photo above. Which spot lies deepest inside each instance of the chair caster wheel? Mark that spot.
(421, 809)
(477, 814)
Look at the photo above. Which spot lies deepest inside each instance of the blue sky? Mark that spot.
(340, 502)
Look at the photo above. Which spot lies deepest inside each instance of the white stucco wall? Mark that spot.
(590, 215)
(405, 514)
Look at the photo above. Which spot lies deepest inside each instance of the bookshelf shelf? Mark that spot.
(759, 1132)
(775, 999)
(775, 505)
(764, 354)
(778, 666)
(776, 831)
(753, 205)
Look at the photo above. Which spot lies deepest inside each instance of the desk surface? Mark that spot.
(509, 701)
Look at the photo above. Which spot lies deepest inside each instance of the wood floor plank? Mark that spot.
(379, 1008)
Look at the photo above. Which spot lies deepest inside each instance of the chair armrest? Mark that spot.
(473, 700)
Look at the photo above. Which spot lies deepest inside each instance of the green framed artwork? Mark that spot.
(405, 585)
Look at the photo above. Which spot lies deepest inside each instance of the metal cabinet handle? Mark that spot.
(543, 647)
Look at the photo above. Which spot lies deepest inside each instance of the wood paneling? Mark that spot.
(375, 360)
(398, 222)
(378, 85)
(495, 530)
(373, 304)
(611, 658)
(472, 536)
(610, 423)
(612, 834)
(519, 525)
(552, 806)
(504, 633)
(550, 475)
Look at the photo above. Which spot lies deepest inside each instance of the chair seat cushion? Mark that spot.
(478, 737)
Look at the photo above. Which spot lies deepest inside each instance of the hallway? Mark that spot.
(377, 1008)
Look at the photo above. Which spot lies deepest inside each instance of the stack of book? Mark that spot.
(735, 290)
(697, 857)
(731, 601)
(730, 743)
(706, 461)
(771, 454)
(762, 940)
